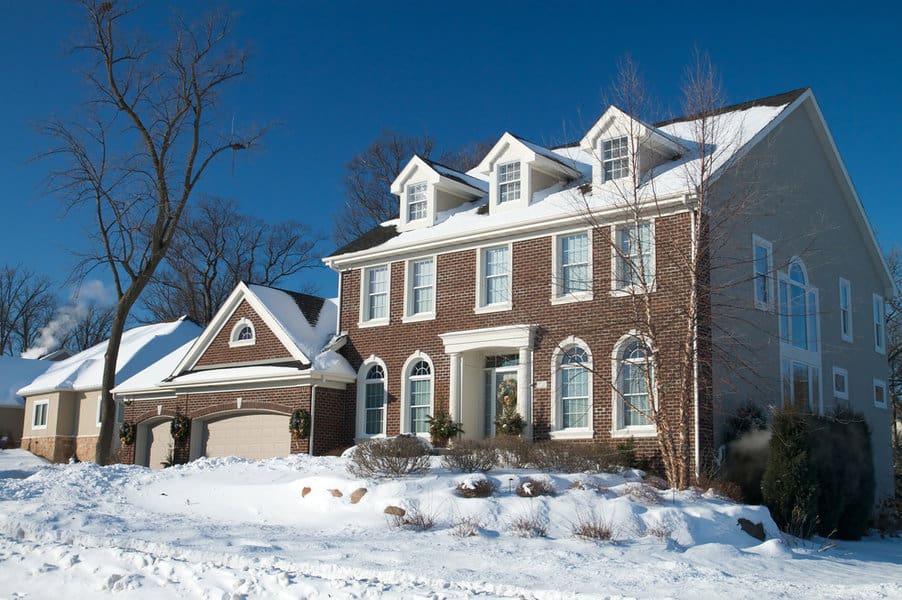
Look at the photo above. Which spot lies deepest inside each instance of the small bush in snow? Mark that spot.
(390, 457)
(513, 451)
(475, 488)
(590, 526)
(658, 530)
(728, 490)
(466, 526)
(530, 488)
(469, 457)
(575, 457)
(529, 524)
(643, 493)
(414, 518)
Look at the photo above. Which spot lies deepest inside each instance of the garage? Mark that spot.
(153, 444)
(256, 436)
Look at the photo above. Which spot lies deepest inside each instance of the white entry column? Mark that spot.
(524, 389)
(454, 388)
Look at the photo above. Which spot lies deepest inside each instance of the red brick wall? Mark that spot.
(266, 347)
(600, 322)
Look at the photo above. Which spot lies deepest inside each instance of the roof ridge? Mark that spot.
(783, 98)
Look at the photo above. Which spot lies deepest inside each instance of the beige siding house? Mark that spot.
(14, 373)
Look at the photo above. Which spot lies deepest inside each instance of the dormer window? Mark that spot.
(416, 201)
(615, 158)
(508, 182)
(243, 334)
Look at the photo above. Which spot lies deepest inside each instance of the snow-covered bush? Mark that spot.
(530, 488)
(389, 457)
(513, 451)
(575, 457)
(470, 457)
(474, 487)
(528, 524)
(415, 518)
(591, 526)
(468, 526)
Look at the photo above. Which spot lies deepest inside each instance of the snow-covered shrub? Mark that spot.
(528, 524)
(469, 457)
(389, 457)
(474, 487)
(513, 452)
(530, 488)
(415, 518)
(591, 526)
(575, 457)
(643, 493)
(468, 526)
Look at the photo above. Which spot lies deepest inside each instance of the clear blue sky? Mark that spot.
(337, 73)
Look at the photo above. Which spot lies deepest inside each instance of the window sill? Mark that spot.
(631, 291)
(418, 317)
(572, 434)
(637, 432)
(839, 396)
(373, 323)
(493, 308)
(571, 298)
(240, 343)
(375, 436)
(38, 427)
(883, 406)
(764, 306)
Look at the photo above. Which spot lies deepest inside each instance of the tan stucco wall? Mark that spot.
(86, 424)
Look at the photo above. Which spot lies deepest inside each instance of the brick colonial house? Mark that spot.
(516, 276)
(266, 353)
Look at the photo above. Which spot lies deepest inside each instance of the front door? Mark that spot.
(500, 382)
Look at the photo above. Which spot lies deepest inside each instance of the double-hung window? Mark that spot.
(39, 418)
(419, 385)
(374, 401)
(845, 309)
(574, 388)
(421, 287)
(615, 158)
(574, 266)
(762, 266)
(496, 277)
(376, 294)
(879, 324)
(416, 201)
(880, 393)
(508, 182)
(634, 252)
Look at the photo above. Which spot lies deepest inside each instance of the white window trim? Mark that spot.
(518, 180)
(407, 202)
(845, 375)
(34, 414)
(481, 308)
(845, 335)
(405, 391)
(881, 384)
(557, 268)
(631, 289)
(364, 297)
(879, 343)
(571, 433)
(638, 431)
(756, 242)
(234, 342)
(601, 159)
(361, 398)
(409, 316)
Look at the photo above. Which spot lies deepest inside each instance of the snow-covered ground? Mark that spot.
(230, 528)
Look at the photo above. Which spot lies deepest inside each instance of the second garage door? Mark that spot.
(248, 436)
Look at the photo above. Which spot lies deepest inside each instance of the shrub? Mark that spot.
(442, 428)
(389, 457)
(574, 457)
(722, 488)
(750, 416)
(590, 526)
(466, 526)
(747, 444)
(820, 474)
(513, 452)
(475, 488)
(469, 457)
(528, 524)
(530, 488)
(643, 493)
(414, 518)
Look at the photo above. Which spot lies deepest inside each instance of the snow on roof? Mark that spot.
(15, 373)
(470, 180)
(140, 347)
(328, 362)
(148, 378)
(309, 321)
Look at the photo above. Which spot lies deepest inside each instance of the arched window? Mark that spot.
(371, 398)
(418, 393)
(572, 389)
(243, 334)
(634, 388)
(800, 359)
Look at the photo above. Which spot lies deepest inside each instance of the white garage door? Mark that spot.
(249, 436)
(159, 442)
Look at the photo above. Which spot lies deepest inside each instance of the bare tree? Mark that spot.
(136, 158)
(26, 304)
(894, 353)
(89, 326)
(368, 177)
(217, 247)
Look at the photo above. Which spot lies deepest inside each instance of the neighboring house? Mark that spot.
(62, 406)
(14, 373)
(496, 280)
(266, 353)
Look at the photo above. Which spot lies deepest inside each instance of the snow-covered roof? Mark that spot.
(326, 363)
(140, 347)
(308, 320)
(147, 379)
(16, 373)
(469, 180)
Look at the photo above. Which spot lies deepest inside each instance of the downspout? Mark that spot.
(312, 417)
(695, 401)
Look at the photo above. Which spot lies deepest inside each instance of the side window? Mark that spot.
(762, 272)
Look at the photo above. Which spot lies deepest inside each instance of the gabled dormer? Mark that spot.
(426, 188)
(621, 145)
(516, 169)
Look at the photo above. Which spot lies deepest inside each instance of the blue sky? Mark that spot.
(337, 73)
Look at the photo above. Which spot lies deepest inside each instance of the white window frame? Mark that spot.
(842, 395)
(369, 363)
(618, 159)
(411, 191)
(815, 384)
(879, 325)
(768, 303)
(502, 183)
(812, 314)
(879, 383)
(845, 286)
(365, 321)
(412, 360)
(616, 290)
(34, 414)
(243, 322)
(557, 416)
(618, 430)
(481, 306)
(409, 295)
(557, 284)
